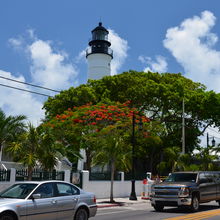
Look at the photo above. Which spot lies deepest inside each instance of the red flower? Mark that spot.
(76, 120)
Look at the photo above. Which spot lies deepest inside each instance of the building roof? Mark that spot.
(100, 27)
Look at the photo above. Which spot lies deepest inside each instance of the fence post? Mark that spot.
(85, 179)
(122, 176)
(12, 175)
(67, 175)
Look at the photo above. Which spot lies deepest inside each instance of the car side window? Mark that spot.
(66, 189)
(202, 178)
(45, 190)
(209, 177)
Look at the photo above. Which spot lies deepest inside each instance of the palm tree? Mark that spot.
(174, 160)
(113, 150)
(206, 156)
(35, 147)
(10, 128)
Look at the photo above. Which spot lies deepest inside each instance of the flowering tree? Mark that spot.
(79, 127)
(102, 130)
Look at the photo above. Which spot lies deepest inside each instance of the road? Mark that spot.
(145, 211)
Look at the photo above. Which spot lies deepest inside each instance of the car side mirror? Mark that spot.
(36, 196)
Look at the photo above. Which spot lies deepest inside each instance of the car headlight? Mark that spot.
(184, 192)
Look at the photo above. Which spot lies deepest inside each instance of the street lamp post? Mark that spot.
(133, 193)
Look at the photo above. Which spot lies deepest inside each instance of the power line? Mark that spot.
(25, 90)
(41, 87)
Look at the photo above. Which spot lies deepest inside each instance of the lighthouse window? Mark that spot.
(99, 35)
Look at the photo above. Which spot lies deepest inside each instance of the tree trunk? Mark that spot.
(30, 172)
(112, 179)
(88, 160)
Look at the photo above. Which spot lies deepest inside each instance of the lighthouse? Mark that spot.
(99, 54)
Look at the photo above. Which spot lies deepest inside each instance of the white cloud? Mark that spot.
(120, 48)
(81, 56)
(192, 44)
(16, 43)
(49, 68)
(159, 65)
(15, 102)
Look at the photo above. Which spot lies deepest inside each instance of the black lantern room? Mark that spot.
(99, 42)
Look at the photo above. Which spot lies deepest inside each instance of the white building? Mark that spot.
(99, 54)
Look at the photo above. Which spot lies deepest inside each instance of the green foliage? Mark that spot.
(10, 127)
(206, 157)
(35, 147)
(160, 97)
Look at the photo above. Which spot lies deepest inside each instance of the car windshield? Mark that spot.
(181, 177)
(18, 191)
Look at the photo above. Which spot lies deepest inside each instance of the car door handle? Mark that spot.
(75, 199)
(54, 201)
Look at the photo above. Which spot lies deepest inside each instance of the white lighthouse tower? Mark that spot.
(99, 55)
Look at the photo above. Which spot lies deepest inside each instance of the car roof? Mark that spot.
(205, 171)
(187, 172)
(40, 182)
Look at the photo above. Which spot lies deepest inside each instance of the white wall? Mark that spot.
(102, 188)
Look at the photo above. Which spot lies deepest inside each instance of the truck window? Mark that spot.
(181, 177)
(210, 177)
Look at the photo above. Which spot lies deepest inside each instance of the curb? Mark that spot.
(145, 198)
(108, 205)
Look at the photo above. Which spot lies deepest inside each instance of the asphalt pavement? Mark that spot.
(142, 209)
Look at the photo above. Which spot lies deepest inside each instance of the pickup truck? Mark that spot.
(187, 189)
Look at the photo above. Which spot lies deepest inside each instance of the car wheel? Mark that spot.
(81, 214)
(7, 217)
(194, 204)
(158, 208)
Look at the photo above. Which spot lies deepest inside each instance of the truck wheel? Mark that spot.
(195, 204)
(158, 208)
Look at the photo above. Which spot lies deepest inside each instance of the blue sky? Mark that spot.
(43, 42)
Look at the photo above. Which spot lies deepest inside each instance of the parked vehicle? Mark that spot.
(48, 200)
(186, 189)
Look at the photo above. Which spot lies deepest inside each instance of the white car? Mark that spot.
(48, 200)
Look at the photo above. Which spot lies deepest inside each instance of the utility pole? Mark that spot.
(207, 139)
(183, 128)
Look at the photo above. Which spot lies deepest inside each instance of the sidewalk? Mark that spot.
(104, 203)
